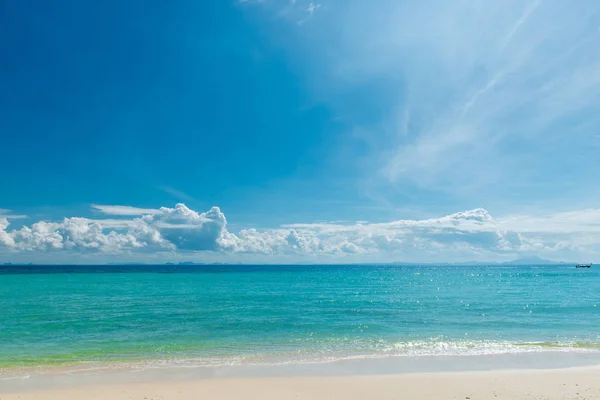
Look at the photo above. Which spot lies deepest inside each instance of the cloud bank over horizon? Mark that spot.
(182, 232)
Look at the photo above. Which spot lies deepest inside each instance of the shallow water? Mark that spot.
(230, 315)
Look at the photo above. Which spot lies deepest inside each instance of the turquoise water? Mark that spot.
(236, 315)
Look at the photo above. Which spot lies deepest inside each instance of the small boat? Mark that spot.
(584, 265)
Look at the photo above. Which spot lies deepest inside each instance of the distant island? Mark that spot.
(525, 261)
(533, 261)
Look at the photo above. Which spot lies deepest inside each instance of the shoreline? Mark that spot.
(460, 351)
(570, 383)
(17, 380)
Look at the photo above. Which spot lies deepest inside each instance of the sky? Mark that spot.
(291, 131)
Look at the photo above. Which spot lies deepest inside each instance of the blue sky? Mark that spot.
(332, 131)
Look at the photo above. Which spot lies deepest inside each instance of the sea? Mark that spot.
(223, 315)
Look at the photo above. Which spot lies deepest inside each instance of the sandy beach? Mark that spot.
(574, 383)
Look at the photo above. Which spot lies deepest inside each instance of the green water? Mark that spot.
(265, 314)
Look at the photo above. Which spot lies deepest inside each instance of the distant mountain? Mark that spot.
(532, 261)
(123, 264)
(198, 263)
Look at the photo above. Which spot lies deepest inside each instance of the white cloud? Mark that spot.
(517, 83)
(178, 194)
(467, 235)
(40, 236)
(471, 99)
(5, 239)
(83, 235)
(123, 210)
(312, 7)
(188, 230)
(405, 239)
(582, 221)
(164, 229)
(5, 213)
(299, 11)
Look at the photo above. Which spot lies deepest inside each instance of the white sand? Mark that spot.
(575, 383)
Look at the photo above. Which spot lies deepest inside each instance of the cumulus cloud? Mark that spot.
(5, 239)
(465, 235)
(163, 229)
(40, 236)
(187, 229)
(474, 229)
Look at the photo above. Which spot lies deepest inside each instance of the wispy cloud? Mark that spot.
(478, 135)
(299, 11)
(518, 24)
(124, 210)
(178, 194)
(476, 99)
(5, 213)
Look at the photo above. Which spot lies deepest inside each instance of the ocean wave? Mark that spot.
(326, 353)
